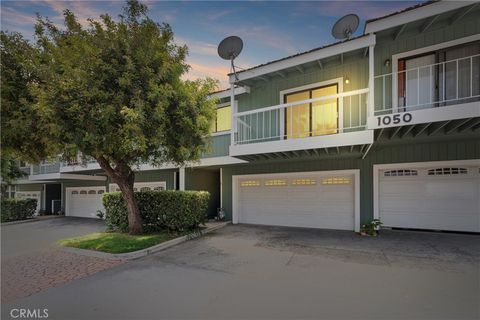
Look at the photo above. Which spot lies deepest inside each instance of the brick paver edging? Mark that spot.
(147, 251)
(37, 218)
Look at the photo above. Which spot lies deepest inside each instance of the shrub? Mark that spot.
(13, 209)
(160, 210)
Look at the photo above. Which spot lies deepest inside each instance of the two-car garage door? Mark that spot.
(438, 197)
(307, 199)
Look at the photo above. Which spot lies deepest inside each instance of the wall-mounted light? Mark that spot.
(387, 63)
(347, 80)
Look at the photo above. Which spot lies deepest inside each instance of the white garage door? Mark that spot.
(438, 198)
(311, 200)
(142, 186)
(84, 202)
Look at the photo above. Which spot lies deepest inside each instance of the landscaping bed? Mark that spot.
(116, 242)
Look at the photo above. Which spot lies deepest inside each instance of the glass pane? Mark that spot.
(224, 118)
(324, 113)
(298, 117)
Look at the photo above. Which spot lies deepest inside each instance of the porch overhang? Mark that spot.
(316, 144)
(65, 176)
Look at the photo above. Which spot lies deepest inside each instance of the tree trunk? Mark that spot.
(134, 218)
(124, 177)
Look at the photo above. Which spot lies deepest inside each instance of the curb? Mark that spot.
(147, 251)
(30, 220)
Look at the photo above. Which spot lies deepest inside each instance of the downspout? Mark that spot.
(371, 90)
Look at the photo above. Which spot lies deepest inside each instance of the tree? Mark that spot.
(113, 91)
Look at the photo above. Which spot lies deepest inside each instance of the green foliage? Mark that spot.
(13, 209)
(114, 242)
(371, 229)
(160, 210)
(10, 170)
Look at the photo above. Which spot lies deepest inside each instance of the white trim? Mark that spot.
(221, 187)
(44, 197)
(317, 142)
(216, 161)
(414, 15)
(453, 112)
(338, 48)
(226, 93)
(175, 180)
(67, 194)
(338, 81)
(354, 172)
(66, 176)
(419, 51)
(410, 165)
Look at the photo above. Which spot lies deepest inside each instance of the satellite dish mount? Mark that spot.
(229, 49)
(345, 26)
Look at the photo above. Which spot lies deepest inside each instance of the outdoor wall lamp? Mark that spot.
(347, 80)
(387, 63)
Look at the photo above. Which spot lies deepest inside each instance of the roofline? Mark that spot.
(401, 18)
(310, 56)
(226, 93)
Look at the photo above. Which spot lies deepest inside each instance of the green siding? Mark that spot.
(379, 154)
(217, 146)
(205, 180)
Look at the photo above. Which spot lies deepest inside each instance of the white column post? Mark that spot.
(234, 111)
(371, 70)
(182, 178)
(221, 187)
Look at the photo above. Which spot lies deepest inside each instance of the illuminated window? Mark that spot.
(446, 171)
(337, 180)
(250, 183)
(223, 120)
(276, 182)
(303, 182)
(400, 173)
(311, 119)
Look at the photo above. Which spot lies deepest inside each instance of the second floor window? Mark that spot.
(223, 119)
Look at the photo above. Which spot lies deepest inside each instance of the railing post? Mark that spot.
(233, 128)
(371, 97)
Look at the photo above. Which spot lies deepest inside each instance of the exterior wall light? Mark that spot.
(387, 63)
(347, 80)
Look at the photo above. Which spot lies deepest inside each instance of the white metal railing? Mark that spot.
(46, 168)
(77, 161)
(429, 86)
(343, 112)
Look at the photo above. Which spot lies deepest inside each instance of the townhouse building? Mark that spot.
(384, 125)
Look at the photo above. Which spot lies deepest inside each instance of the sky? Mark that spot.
(270, 29)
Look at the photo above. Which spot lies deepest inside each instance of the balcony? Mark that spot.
(446, 92)
(318, 125)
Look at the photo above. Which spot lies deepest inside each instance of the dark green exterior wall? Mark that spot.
(466, 148)
(205, 180)
(157, 175)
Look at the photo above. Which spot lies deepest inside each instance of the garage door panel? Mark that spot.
(84, 201)
(311, 204)
(426, 201)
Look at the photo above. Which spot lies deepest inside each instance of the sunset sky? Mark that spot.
(270, 30)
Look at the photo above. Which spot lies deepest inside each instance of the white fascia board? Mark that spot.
(319, 54)
(65, 176)
(414, 15)
(24, 181)
(226, 93)
(454, 112)
(327, 141)
(204, 162)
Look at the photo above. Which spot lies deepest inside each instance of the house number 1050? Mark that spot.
(395, 119)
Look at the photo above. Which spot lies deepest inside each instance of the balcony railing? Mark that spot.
(343, 112)
(46, 168)
(429, 86)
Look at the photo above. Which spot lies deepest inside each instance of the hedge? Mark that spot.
(160, 210)
(14, 209)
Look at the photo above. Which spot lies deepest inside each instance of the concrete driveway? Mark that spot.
(247, 272)
(32, 262)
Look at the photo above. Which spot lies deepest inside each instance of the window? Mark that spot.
(10, 192)
(400, 173)
(276, 182)
(223, 119)
(74, 192)
(311, 119)
(446, 171)
(158, 188)
(303, 182)
(145, 189)
(100, 191)
(336, 180)
(92, 192)
(250, 183)
(83, 192)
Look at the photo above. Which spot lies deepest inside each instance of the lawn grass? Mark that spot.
(115, 242)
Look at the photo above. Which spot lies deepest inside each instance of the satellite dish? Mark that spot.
(345, 26)
(229, 49)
